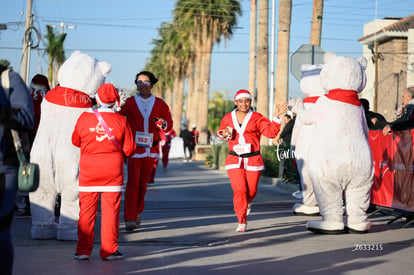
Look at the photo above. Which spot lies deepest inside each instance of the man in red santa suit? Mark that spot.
(194, 139)
(242, 128)
(105, 139)
(148, 117)
(165, 145)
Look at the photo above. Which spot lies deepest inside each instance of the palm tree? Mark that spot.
(169, 60)
(253, 44)
(263, 58)
(54, 49)
(208, 21)
(285, 12)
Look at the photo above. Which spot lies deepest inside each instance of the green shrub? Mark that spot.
(273, 155)
(218, 155)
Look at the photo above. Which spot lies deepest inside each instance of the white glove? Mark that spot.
(295, 105)
(123, 95)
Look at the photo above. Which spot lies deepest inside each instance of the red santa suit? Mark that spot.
(101, 173)
(167, 146)
(244, 162)
(142, 115)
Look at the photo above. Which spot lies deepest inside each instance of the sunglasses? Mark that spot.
(140, 82)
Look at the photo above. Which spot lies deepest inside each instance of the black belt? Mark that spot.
(246, 155)
(155, 143)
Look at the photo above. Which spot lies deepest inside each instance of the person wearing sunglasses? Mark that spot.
(149, 118)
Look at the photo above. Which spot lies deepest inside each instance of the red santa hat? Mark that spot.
(108, 96)
(242, 94)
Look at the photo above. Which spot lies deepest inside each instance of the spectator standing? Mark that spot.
(286, 134)
(105, 139)
(208, 136)
(243, 128)
(16, 113)
(406, 121)
(147, 115)
(375, 121)
(187, 140)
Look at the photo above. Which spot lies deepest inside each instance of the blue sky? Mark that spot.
(121, 32)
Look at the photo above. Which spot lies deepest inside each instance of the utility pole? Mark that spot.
(24, 69)
(376, 58)
(63, 26)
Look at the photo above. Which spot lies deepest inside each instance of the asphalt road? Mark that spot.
(189, 227)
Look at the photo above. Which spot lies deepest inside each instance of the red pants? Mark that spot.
(154, 170)
(110, 209)
(165, 153)
(244, 184)
(139, 171)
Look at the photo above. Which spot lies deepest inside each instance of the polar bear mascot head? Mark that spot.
(343, 72)
(83, 73)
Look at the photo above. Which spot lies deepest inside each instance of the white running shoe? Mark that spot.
(242, 227)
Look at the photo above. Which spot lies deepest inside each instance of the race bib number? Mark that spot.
(143, 139)
(241, 149)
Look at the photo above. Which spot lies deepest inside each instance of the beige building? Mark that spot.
(388, 44)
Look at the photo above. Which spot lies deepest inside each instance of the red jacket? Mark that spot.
(143, 124)
(254, 125)
(101, 163)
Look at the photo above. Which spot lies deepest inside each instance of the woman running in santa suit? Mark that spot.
(243, 128)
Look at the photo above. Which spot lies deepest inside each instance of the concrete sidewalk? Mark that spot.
(189, 228)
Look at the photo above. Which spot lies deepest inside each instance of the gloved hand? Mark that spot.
(160, 123)
(295, 105)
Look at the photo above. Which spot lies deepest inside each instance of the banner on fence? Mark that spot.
(393, 184)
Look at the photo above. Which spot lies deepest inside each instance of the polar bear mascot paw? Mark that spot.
(79, 78)
(326, 227)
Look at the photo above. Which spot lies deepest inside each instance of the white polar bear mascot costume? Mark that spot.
(79, 78)
(340, 161)
(310, 84)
